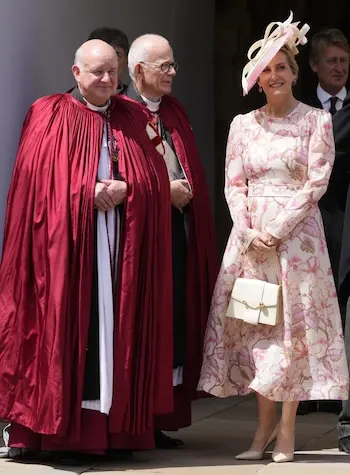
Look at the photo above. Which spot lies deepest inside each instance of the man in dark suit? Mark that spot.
(341, 174)
(329, 59)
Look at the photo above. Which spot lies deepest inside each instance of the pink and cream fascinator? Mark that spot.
(277, 34)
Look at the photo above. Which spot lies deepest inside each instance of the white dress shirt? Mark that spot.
(325, 98)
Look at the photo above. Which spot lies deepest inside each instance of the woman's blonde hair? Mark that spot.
(290, 59)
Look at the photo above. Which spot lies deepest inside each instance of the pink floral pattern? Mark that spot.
(276, 172)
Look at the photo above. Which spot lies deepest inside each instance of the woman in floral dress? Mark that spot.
(278, 163)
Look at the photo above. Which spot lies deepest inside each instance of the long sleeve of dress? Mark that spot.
(236, 188)
(320, 163)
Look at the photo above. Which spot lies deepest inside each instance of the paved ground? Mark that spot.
(221, 429)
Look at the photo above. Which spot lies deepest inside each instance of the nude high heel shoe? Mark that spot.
(282, 457)
(258, 454)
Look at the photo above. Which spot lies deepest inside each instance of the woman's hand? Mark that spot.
(264, 242)
(269, 240)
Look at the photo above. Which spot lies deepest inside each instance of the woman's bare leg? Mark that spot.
(286, 433)
(267, 421)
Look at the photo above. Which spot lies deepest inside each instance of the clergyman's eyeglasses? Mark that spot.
(163, 67)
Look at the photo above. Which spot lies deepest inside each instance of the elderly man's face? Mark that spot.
(158, 72)
(98, 78)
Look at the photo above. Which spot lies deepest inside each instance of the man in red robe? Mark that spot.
(85, 279)
(194, 259)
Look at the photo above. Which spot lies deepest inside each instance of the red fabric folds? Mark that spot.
(46, 273)
(144, 320)
(202, 264)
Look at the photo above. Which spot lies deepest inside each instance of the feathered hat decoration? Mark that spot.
(277, 34)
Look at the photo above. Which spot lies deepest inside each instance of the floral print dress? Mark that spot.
(277, 169)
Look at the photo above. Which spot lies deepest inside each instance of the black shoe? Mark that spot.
(307, 407)
(344, 445)
(163, 441)
(23, 454)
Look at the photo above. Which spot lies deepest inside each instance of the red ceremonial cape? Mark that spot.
(202, 260)
(46, 273)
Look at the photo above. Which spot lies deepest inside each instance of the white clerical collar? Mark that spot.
(324, 96)
(152, 105)
(98, 108)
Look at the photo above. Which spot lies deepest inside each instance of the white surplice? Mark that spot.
(108, 234)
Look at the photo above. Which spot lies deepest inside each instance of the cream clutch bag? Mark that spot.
(256, 301)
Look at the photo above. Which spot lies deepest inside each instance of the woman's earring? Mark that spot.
(260, 89)
(294, 83)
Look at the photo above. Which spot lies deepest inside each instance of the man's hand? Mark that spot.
(116, 189)
(109, 194)
(180, 194)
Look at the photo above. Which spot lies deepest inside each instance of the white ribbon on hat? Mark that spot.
(276, 32)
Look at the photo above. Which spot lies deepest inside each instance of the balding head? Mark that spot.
(151, 65)
(144, 48)
(96, 71)
(93, 49)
